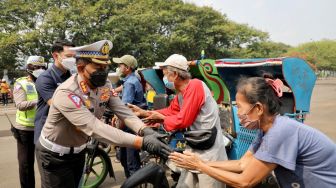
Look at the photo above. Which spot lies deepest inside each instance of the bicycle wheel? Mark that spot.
(150, 176)
(95, 175)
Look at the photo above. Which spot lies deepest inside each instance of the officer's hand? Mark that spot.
(153, 145)
(147, 131)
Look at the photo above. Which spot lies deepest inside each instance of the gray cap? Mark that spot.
(128, 60)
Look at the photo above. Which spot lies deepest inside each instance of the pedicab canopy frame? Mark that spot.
(295, 73)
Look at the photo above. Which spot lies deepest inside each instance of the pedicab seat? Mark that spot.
(287, 103)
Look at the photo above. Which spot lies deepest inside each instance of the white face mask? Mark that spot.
(37, 73)
(70, 64)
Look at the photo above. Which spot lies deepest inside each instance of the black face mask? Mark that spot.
(98, 78)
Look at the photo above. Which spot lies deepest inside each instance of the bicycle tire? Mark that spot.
(151, 175)
(99, 177)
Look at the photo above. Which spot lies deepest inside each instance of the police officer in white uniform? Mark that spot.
(78, 104)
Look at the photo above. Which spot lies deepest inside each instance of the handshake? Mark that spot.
(154, 142)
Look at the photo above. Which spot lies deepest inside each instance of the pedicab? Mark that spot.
(297, 76)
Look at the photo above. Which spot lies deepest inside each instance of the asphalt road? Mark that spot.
(322, 117)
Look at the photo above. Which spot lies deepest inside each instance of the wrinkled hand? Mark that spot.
(152, 144)
(153, 118)
(117, 123)
(186, 160)
(138, 111)
(153, 124)
(114, 93)
(114, 121)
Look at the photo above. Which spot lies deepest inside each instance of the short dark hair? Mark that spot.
(84, 60)
(256, 89)
(59, 43)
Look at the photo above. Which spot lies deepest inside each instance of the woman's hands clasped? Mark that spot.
(186, 160)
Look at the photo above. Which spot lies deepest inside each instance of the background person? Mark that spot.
(299, 155)
(5, 89)
(47, 83)
(25, 98)
(132, 92)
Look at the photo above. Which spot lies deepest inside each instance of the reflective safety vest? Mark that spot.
(26, 118)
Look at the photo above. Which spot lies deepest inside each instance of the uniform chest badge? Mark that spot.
(105, 97)
(75, 99)
(87, 103)
(105, 94)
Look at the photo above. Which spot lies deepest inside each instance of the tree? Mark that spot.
(266, 49)
(151, 30)
(322, 53)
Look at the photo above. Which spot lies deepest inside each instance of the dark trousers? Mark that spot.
(4, 98)
(129, 158)
(59, 171)
(25, 155)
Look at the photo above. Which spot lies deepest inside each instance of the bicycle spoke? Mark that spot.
(86, 177)
(96, 163)
(95, 173)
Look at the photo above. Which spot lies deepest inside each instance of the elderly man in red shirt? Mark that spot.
(193, 108)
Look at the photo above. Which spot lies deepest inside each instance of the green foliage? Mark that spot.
(322, 54)
(266, 49)
(151, 30)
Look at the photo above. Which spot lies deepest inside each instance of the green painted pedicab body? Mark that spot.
(205, 70)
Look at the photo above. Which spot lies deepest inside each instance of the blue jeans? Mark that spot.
(129, 158)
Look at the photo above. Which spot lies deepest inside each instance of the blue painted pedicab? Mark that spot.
(297, 76)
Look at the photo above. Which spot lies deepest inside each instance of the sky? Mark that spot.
(289, 21)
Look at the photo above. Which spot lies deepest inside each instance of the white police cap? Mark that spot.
(98, 52)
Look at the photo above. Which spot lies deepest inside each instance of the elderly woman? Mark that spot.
(299, 155)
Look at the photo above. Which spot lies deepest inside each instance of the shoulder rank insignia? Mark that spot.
(84, 87)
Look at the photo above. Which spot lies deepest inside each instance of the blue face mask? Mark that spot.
(169, 85)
